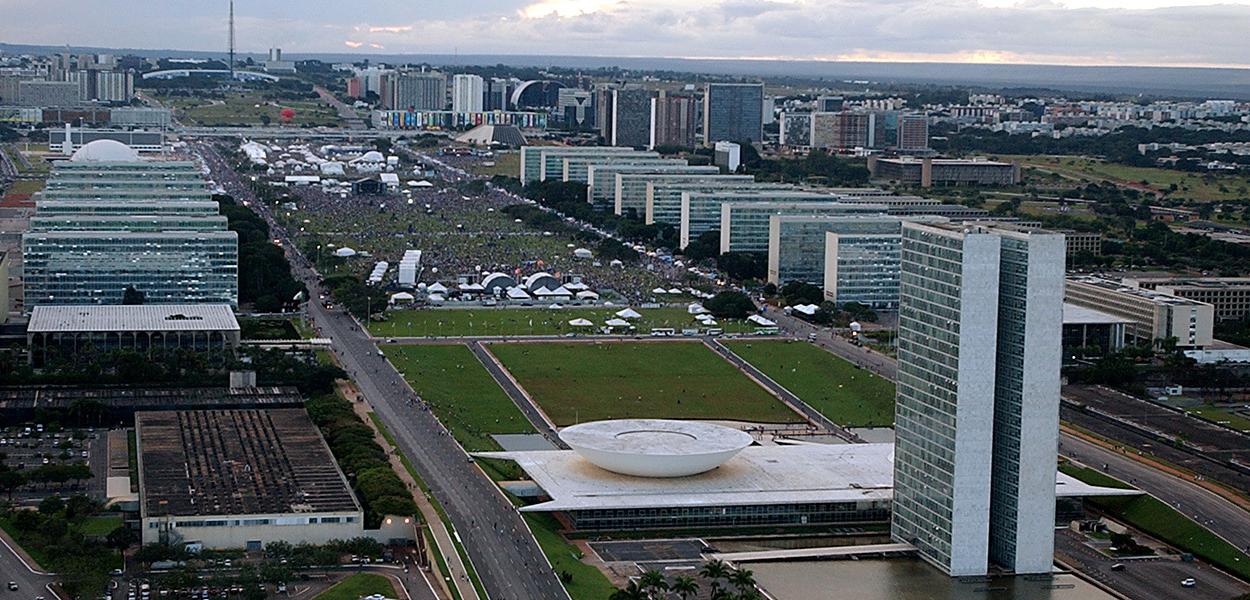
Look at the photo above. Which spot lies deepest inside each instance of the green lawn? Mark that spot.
(101, 525)
(576, 382)
(587, 582)
(530, 321)
(358, 586)
(508, 163)
(1161, 521)
(1200, 187)
(1223, 416)
(248, 109)
(463, 395)
(849, 396)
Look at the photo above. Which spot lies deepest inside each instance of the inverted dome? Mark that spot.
(655, 447)
(105, 151)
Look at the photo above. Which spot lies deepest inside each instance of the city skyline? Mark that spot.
(1111, 32)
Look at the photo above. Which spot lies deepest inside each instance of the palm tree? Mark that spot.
(652, 581)
(714, 570)
(743, 580)
(685, 586)
(630, 592)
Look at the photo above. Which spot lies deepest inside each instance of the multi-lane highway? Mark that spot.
(30, 582)
(501, 549)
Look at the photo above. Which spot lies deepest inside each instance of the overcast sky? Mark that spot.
(1077, 32)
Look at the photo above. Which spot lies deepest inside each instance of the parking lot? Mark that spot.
(34, 449)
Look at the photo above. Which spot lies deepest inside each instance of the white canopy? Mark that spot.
(423, 183)
(674, 291)
(587, 295)
(516, 293)
(628, 313)
(582, 253)
(345, 252)
(436, 288)
(402, 297)
(576, 286)
(659, 290)
(581, 323)
(807, 309)
(555, 306)
(761, 321)
(696, 309)
(616, 323)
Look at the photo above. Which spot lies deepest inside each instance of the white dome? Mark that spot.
(105, 151)
(372, 156)
(655, 447)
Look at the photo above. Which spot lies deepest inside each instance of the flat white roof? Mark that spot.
(1079, 315)
(147, 317)
(758, 475)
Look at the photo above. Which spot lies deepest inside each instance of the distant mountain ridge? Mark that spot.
(1184, 82)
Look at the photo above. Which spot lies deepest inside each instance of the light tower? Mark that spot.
(231, 40)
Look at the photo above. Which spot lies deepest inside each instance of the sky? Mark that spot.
(1067, 32)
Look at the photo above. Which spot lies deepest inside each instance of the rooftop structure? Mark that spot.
(602, 178)
(1153, 315)
(744, 225)
(663, 203)
(540, 162)
(701, 211)
(928, 172)
(73, 332)
(221, 477)
(1229, 295)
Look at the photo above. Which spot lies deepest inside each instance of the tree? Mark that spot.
(632, 591)
(685, 586)
(730, 305)
(743, 266)
(714, 571)
(707, 245)
(801, 292)
(10, 480)
(51, 505)
(132, 296)
(653, 581)
(743, 580)
(121, 538)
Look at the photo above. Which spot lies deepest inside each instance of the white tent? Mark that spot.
(556, 307)
(628, 313)
(807, 309)
(708, 322)
(582, 253)
(516, 293)
(761, 321)
(615, 323)
(674, 291)
(696, 309)
(659, 290)
(616, 263)
(423, 184)
(576, 286)
(401, 297)
(435, 299)
(587, 295)
(581, 323)
(436, 288)
(704, 317)
(345, 252)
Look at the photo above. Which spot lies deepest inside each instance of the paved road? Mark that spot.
(516, 394)
(1153, 578)
(500, 546)
(1215, 513)
(12, 568)
(348, 114)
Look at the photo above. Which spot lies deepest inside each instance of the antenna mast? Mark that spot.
(231, 40)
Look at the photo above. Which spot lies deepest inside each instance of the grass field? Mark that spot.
(462, 394)
(587, 583)
(248, 109)
(588, 382)
(1161, 521)
(358, 586)
(506, 163)
(849, 396)
(529, 321)
(1200, 187)
(26, 186)
(101, 525)
(1223, 416)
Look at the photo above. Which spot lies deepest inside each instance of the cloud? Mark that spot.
(1043, 31)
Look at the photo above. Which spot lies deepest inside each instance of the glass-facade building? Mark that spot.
(577, 170)
(744, 225)
(796, 243)
(663, 203)
(733, 112)
(631, 188)
(862, 268)
(602, 179)
(976, 421)
(540, 162)
(139, 232)
(701, 211)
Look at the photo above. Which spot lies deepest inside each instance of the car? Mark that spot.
(1189, 582)
(1117, 567)
(12, 586)
(117, 573)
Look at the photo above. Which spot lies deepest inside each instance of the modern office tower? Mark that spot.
(664, 197)
(49, 93)
(542, 162)
(576, 109)
(769, 110)
(108, 221)
(796, 243)
(744, 224)
(928, 172)
(631, 117)
(862, 268)
(495, 93)
(701, 211)
(727, 156)
(673, 120)
(913, 133)
(114, 86)
(841, 130)
(733, 112)
(602, 190)
(829, 103)
(466, 93)
(795, 129)
(416, 90)
(976, 425)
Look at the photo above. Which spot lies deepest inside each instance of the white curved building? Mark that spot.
(105, 151)
(655, 447)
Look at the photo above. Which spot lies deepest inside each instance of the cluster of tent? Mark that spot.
(620, 320)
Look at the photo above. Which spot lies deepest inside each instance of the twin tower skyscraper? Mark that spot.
(977, 414)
